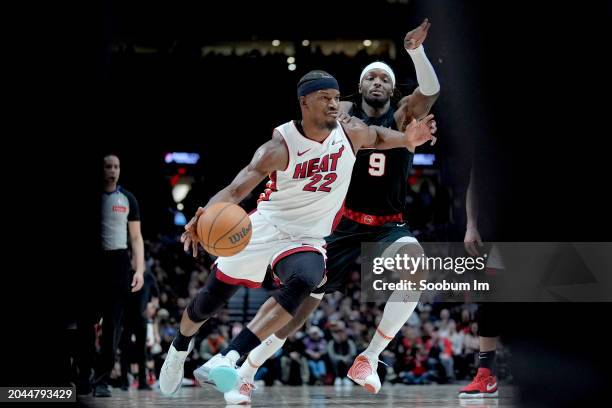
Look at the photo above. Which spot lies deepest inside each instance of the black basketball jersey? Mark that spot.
(380, 177)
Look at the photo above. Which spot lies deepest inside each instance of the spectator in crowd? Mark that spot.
(417, 369)
(316, 349)
(424, 312)
(293, 361)
(211, 345)
(465, 322)
(154, 347)
(457, 340)
(341, 351)
(443, 351)
(442, 324)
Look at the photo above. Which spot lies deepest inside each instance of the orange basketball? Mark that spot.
(224, 229)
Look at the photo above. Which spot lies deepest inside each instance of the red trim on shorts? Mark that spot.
(278, 282)
(233, 281)
(368, 219)
(303, 248)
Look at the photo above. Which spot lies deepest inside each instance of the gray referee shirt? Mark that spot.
(118, 207)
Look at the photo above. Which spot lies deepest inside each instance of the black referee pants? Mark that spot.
(105, 297)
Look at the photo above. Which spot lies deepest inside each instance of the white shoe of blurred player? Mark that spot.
(241, 393)
(363, 372)
(219, 371)
(171, 375)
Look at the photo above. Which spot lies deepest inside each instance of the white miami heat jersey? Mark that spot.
(304, 199)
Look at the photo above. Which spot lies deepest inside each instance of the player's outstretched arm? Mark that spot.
(270, 156)
(419, 103)
(416, 134)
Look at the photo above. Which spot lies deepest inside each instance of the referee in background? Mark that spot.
(118, 275)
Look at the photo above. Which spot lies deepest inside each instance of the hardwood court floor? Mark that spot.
(392, 396)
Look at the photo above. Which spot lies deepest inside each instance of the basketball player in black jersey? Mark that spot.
(373, 213)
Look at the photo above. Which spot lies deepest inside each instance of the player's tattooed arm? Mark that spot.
(270, 156)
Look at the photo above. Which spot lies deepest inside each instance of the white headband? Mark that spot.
(378, 65)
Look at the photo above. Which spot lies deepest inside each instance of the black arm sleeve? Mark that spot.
(134, 214)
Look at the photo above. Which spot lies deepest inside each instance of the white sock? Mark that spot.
(398, 309)
(233, 355)
(259, 355)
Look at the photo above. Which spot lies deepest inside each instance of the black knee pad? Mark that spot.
(212, 297)
(300, 274)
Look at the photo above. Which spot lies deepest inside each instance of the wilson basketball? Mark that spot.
(224, 229)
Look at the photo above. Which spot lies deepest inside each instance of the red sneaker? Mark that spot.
(484, 385)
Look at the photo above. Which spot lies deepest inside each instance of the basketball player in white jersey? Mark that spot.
(310, 164)
(373, 212)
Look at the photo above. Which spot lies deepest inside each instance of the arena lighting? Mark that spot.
(179, 192)
(367, 43)
(179, 219)
(275, 43)
(422, 159)
(305, 43)
(290, 60)
(182, 158)
(291, 67)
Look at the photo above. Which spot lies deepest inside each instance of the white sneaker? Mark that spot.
(171, 375)
(241, 393)
(363, 372)
(346, 382)
(338, 381)
(219, 371)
